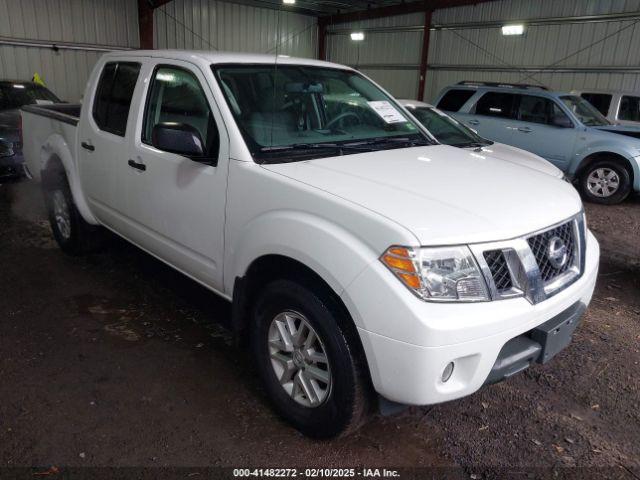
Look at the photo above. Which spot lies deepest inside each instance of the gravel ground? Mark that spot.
(115, 360)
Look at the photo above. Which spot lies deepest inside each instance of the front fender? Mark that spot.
(604, 147)
(332, 252)
(56, 147)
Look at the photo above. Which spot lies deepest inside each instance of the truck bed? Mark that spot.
(65, 112)
(47, 125)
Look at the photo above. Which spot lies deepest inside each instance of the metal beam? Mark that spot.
(87, 47)
(579, 19)
(394, 10)
(501, 68)
(145, 21)
(322, 41)
(424, 54)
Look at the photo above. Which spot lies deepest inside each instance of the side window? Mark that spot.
(629, 108)
(176, 96)
(113, 96)
(539, 110)
(601, 101)
(453, 100)
(496, 104)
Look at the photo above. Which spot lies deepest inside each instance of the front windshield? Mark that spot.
(586, 113)
(294, 112)
(446, 129)
(16, 95)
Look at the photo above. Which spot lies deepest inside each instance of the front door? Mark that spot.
(176, 204)
(538, 130)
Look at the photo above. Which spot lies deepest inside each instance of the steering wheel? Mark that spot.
(341, 117)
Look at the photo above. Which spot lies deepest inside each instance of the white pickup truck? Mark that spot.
(367, 265)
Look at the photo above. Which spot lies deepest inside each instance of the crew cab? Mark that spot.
(367, 264)
(603, 159)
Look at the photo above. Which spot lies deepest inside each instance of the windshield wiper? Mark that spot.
(473, 144)
(312, 146)
(395, 141)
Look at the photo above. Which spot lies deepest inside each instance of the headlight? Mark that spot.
(442, 274)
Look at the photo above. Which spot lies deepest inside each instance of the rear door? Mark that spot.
(493, 116)
(175, 204)
(103, 146)
(536, 132)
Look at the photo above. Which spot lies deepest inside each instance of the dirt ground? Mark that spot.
(113, 359)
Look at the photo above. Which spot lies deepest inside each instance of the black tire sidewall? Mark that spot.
(623, 190)
(335, 414)
(73, 244)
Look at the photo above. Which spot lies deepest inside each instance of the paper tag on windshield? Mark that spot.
(43, 102)
(387, 111)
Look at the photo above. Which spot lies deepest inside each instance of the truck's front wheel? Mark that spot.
(305, 361)
(72, 233)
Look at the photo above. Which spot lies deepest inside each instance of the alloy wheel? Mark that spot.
(603, 182)
(299, 359)
(61, 214)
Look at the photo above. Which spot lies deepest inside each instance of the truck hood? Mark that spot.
(521, 157)
(443, 195)
(627, 130)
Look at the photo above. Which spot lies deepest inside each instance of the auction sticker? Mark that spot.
(387, 111)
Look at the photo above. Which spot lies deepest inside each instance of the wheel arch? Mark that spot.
(56, 158)
(275, 266)
(616, 157)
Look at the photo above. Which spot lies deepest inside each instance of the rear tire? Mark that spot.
(605, 181)
(72, 233)
(337, 400)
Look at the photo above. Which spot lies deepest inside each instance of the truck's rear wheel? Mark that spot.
(72, 233)
(305, 361)
(605, 181)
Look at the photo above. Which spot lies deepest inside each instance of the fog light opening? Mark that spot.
(447, 372)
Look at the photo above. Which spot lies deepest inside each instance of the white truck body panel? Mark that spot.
(335, 215)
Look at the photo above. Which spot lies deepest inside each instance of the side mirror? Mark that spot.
(561, 121)
(179, 138)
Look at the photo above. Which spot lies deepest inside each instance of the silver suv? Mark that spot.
(603, 159)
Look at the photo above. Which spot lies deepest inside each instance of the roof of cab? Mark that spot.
(224, 57)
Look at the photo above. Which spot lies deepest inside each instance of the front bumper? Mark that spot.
(409, 342)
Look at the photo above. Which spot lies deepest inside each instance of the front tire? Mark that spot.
(72, 233)
(606, 182)
(305, 362)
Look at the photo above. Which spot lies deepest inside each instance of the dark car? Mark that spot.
(13, 95)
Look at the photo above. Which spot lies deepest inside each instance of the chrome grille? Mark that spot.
(499, 270)
(540, 245)
(536, 266)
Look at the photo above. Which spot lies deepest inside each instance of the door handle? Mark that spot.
(525, 130)
(474, 122)
(138, 166)
(87, 146)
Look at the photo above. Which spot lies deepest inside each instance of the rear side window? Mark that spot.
(113, 96)
(453, 100)
(601, 101)
(629, 109)
(497, 104)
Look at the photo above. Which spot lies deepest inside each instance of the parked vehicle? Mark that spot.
(359, 255)
(622, 108)
(565, 129)
(448, 131)
(13, 95)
